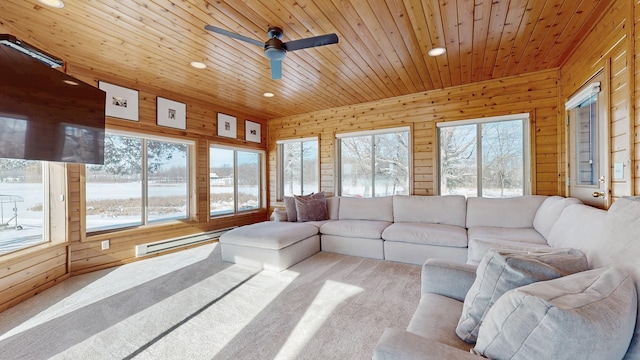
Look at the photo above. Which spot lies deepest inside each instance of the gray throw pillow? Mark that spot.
(290, 208)
(311, 208)
(589, 315)
(502, 270)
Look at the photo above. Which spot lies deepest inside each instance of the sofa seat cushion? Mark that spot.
(436, 318)
(479, 248)
(527, 235)
(593, 314)
(368, 229)
(427, 234)
(504, 270)
(269, 234)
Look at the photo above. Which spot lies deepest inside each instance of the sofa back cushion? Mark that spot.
(448, 210)
(579, 226)
(589, 315)
(516, 212)
(379, 208)
(549, 212)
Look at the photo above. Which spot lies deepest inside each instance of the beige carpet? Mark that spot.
(191, 305)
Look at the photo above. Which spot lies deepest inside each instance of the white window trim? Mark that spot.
(490, 119)
(583, 95)
(374, 132)
(290, 141)
(150, 137)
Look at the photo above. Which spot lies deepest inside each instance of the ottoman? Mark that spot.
(270, 245)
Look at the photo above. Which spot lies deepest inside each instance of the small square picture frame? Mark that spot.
(171, 113)
(227, 126)
(121, 102)
(252, 131)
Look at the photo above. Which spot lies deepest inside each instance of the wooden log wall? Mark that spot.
(536, 94)
(30, 271)
(609, 47)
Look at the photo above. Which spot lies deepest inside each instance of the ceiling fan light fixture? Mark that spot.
(437, 51)
(198, 65)
(58, 4)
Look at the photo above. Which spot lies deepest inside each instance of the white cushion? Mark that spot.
(528, 235)
(516, 212)
(478, 248)
(368, 229)
(430, 234)
(449, 210)
(549, 212)
(579, 226)
(589, 315)
(380, 208)
(503, 270)
(269, 234)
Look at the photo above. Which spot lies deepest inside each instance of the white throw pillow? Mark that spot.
(589, 315)
(502, 270)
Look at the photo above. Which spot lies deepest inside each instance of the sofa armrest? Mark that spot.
(448, 278)
(398, 344)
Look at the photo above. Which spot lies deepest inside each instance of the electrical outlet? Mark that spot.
(105, 244)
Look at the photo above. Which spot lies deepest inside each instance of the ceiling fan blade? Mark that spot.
(276, 69)
(311, 42)
(234, 35)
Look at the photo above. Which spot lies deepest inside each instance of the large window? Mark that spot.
(374, 163)
(298, 167)
(486, 157)
(234, 180)
(143, 180)
(23, 204)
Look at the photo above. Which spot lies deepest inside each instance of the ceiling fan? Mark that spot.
(275, 49)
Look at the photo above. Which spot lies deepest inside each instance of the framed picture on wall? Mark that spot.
(252, 131)
(171, 113)
(121, 103)
(227, 125)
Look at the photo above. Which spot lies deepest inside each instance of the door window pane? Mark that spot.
(587, 141)
(22, 204)
(221, 181)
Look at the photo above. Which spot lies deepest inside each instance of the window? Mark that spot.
(374, 163)
(234, 180)
(143, 180)
(23, 204)
(298, 167)
(485, 157)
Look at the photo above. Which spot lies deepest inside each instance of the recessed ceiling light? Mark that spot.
(58, 4)
(71, 82)
(268, 94)
(437, 51)
(198, 65)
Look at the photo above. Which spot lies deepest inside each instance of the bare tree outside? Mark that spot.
(498, 152)
(375, 165)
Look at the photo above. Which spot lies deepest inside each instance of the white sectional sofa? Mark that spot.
(449, 236)
(609, 239)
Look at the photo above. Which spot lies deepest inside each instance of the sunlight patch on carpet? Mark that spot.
(331, 295)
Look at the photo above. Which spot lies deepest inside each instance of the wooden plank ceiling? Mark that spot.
(382, 49)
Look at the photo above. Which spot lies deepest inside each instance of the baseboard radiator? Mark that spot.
(170, 244)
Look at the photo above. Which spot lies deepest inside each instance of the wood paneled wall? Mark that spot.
(536, 94)
(609, 47)
(30, 271)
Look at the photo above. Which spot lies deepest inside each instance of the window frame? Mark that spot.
(526, 146)
(372, 133)
(280, 165)
(145, 222)
(261, 185)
